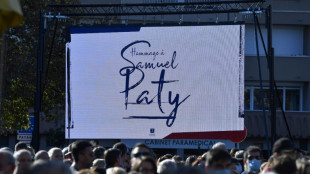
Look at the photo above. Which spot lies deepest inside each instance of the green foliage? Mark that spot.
(19, 97)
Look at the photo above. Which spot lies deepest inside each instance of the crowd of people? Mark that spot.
(82, 157)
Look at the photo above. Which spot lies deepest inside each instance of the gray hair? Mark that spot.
(8, 155)
(40, 155)
(7, 149)
(17, 154)
(49, 167)
(167, 166)
(116, 170)
(52, 150)
(99, 163)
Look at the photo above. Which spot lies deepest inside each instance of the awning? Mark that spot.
(298, 123)
(10, 14)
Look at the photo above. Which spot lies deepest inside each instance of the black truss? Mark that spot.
(156, 8)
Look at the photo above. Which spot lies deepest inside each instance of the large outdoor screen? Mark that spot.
(155, 82)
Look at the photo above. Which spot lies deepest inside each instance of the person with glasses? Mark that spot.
(83, 155)
(140, 150)
(252, 160)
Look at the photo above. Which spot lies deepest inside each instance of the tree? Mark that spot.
(20, 68)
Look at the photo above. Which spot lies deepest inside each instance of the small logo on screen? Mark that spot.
(152, 130)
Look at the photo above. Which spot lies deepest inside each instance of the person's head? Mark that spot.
(7, 162)
(177, 158)
(23, 159)
(239, 156)
(284, 165)
(20, 145)
(7, 149)
(189, 160)
(116, 170)
(48, 167)
(167, 166)
(303, 165)
(140, 150)
(83, 154)
(112, 158)
(144, 165)
(123, 148)
(99, 152)
(99, 163)
(56, 154)
(41, 155)
(284, 146)
(218, 160)
(252, 159)
(219, 145)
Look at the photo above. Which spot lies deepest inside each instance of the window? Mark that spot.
(292, 99)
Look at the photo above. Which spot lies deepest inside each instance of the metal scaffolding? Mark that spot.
(156, 8)
(144, 9)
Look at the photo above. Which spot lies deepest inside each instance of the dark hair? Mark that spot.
(164, 157)
(233, 151)
(110, 156)
(215, 155)
(99, 151)
(284, 165)
(189, 160)
(142, 145)
(122, 147)
(137, 164)
(151, 153)
(177, 158)
(249, 150)
(78, 147)
(191, 170)
(283, 144)
(20, 145)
